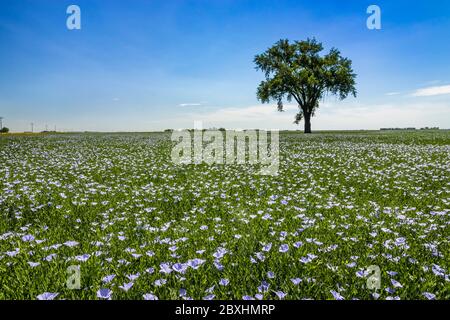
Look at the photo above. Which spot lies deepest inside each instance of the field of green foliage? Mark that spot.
(137, 226)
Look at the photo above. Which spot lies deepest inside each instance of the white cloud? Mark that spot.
(384, 115)
(189, 104)
(395, 93)
(432, 91)
(330, 116)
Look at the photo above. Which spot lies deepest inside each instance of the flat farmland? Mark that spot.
(110, 216)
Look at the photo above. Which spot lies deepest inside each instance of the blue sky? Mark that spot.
(149, 65)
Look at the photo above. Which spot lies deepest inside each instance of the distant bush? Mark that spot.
(4, 130)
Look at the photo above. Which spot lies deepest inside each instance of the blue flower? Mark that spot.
(180, 267)
(195, 263)
(280, 294)
(429, 295)
(28, 238)
(396, 284)
(298, 244)
(220, 253)
(264, 287)
(150, 296)
(83, 258)
(160, 282)
(218, 265)
(337, 295)
(165, 268)
(104, 294)
(108, 279)
(33, 264)
(126, 286)
(133, 277)
(47, 296)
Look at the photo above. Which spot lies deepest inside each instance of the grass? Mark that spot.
(342, 201)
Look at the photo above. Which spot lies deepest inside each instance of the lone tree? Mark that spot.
(297, 71)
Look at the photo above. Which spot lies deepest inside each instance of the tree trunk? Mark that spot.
(307, 117)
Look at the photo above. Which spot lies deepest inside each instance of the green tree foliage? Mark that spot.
(298, 71)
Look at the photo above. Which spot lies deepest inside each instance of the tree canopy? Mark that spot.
(298, 71)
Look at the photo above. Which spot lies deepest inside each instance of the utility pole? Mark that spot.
(32, 127)
(1, 123)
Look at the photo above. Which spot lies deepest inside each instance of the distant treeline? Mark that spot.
(426, 128)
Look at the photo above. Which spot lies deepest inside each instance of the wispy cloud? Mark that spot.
(432, 91)
(189, 104)
(331, 116)
(395, 93)
(431, 83)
